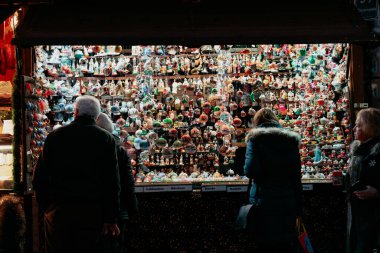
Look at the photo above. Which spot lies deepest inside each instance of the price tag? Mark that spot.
(157, 188)
(240, 188)
(307, 187)
(180, 188)
(214, 188)
(139, 189)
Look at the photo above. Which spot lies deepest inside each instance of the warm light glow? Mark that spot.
(15, 19)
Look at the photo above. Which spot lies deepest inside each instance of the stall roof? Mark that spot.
(6, 11)
(191, 22)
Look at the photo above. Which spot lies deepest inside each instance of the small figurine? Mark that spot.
(230, 172)
(317, 155)
(226, 161)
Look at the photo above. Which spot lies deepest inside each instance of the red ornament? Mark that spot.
(186, 139)
(173, 132)
(236, 121)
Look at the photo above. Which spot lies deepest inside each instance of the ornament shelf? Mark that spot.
(94, 78)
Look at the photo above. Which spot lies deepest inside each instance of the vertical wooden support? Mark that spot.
(357, 80)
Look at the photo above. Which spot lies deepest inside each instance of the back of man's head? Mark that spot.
(87, 106)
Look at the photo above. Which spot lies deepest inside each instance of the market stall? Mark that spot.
(182, 110)
(182, 113)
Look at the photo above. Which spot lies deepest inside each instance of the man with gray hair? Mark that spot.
(77, 183)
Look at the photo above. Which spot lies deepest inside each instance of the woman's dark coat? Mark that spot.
(273, 161)
(128, 201)
(363, 215)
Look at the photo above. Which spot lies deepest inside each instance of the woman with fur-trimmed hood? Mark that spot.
(273, 162)
(363, 184)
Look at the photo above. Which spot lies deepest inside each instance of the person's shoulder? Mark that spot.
(100, 130)
(122, 155)
(354, 146)
(375, 150)
(121, 151)
(58, 131)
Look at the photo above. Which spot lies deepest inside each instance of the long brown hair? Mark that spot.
(264, 115)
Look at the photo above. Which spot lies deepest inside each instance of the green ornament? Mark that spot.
(302, 52)
(180, 117)
(168, 122)
(157, 124)
(312, 59)
(216, 109)
(252, 97)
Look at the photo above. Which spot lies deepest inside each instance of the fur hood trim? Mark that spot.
(272, 131)
(375, 149)
(354, 146)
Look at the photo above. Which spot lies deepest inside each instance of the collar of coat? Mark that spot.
(261, 131)
(86, 120)
(371, 147)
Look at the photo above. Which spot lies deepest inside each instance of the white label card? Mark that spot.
(180, 188)
(307, 187)
(139, 189)
(214, 188)
(158, 188)
(240, 188)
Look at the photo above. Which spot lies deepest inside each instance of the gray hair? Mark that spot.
(104, 122)
(87, 106)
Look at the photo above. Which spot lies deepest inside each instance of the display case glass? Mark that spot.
(6, 150)
(182, 113)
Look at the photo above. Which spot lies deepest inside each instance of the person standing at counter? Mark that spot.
(128, 201)
(77, 184)
(363, 181)
(272, 160)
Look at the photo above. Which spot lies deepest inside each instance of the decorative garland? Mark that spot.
(17, 121)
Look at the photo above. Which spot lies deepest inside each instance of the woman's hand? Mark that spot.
(368, 193)
(111, 229)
